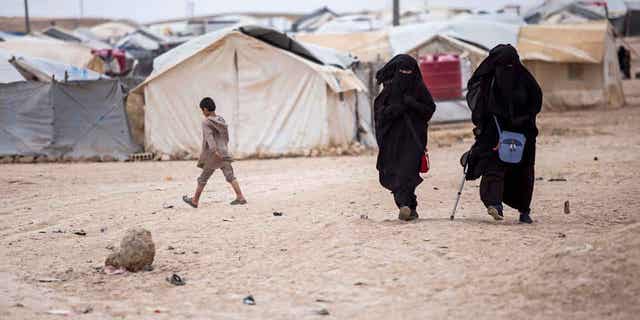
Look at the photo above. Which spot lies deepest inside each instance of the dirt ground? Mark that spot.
(321, 254)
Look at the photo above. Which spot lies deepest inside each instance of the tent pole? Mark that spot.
(396, 12)
(236, 113)
(27, 24)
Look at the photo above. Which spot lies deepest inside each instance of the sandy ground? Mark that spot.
(321, 253)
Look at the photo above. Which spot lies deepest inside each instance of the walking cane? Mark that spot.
(464, 163)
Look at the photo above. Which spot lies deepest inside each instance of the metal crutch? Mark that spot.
(465, 163)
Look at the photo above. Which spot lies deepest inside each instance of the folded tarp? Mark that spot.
(75, 120)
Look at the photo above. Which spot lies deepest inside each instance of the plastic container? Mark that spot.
(442, 75)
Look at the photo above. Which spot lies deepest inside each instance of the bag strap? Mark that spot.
(412, 130)
(497, 125)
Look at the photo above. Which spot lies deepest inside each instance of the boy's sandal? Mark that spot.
(238, 202)
(189, 201)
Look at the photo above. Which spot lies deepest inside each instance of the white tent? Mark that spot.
(482, 32)
(275, 101)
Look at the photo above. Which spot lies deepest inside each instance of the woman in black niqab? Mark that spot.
(401, 111)
(504, 88)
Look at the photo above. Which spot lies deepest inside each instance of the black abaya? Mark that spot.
(402, 111)
(503, 88)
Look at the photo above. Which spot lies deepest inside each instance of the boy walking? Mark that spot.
(214, 154)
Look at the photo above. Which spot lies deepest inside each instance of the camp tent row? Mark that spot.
(575, 64)
(277, 96)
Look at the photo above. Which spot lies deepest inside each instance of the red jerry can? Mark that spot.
(442, 75)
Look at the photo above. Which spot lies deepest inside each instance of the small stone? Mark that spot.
(176, 280)
(561, 235)
(277, 214)
(19, 305)
(322, 312)
(137, 251)
(359, 284)
(80, 233)
(567, 209)
(249, 300)
(103, 229)
(26, 159)
(364, 217)
(170, 248)
(595, 159)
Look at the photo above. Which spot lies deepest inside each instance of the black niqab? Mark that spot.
(502, 86)
(402, 109)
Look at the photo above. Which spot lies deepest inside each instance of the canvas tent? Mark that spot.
(276, 97)
(71, 53)
(75, 120)
(576, 65)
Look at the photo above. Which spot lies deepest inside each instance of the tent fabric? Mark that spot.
(276, 102)
(46, 70)
(26, 118)
(75, 120)
(366, 46)
(279, 40)
(74, 54)
(578, 43)
(575, 65)
(331, 57)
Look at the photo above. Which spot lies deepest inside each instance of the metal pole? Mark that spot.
(396, 12)
(27, 24)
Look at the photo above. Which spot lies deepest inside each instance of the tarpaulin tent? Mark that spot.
(75, 120)
(75, 54)
(45, 70)
(276, 101)
(576, 65)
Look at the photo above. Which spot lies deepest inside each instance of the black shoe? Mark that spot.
(404, 214)
(495, 213)
(525, 218)
(414, 214)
